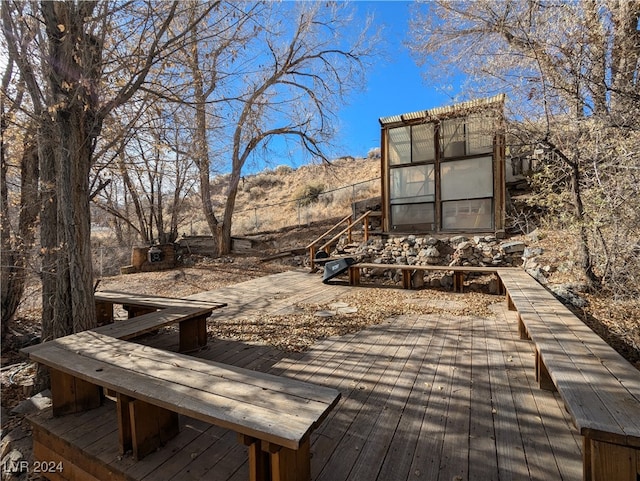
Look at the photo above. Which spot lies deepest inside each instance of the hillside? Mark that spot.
(283, 196)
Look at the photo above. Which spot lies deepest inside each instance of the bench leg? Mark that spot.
(354, 276)
(193, 334)
(71, 395)
(510, 305)
(458, 281)
(522, 329)
(542, 374)
(406, 279)
(104, 312)
(603, 461)
(288, 464)
(258, 459)
(144, 427)
(270, 462)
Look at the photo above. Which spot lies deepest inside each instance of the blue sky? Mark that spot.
(394, 87)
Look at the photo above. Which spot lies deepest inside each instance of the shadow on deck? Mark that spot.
(431, 397)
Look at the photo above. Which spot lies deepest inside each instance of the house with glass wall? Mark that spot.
(443, 170)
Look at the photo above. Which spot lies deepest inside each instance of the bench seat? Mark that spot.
(139, 304)
(272, 415)
(407, 271)
(191, 322)
(600, 389)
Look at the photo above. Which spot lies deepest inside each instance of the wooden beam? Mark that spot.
(70, 394)
(151, 427)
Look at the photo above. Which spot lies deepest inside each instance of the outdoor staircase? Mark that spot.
(320, 249)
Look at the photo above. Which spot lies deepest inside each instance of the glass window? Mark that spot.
(422, 143)
(475, 214)
(466, 179)
(412, 214)
(412, 184)
(452, 138)
(399, 145)
(479, 131)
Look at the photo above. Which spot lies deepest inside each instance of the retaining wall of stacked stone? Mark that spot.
(417, 250)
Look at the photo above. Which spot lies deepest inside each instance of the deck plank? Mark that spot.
(418, 400)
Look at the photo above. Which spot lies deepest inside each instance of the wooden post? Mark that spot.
(193, 334)
(151, 427)
(124, 422)
(522, 329)
(288, 464)
(609, 461)
(354, 275)
(104, 312)
(366, 227)
(406, 279)
(458, 281)
(70, 394)
(542, 374)
(312, 256)
(510, 305)
(259, 466)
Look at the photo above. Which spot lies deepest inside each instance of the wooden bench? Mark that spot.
(192, 322)
(139, 304)
(600, 389)
(408, 271)
(273, 416)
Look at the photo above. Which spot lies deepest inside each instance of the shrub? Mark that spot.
(284, 169)
(308, 194)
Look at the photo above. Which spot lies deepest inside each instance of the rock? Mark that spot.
(458, 239)
(430, 252)
(538, 275)
(532, 252)
(35, 403)
(512, 247)
(435, 282)
(463, 246)
(533, 236)
(446, 281)
(566, 294)
(431, 241)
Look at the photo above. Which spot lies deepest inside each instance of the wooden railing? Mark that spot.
(326, 247)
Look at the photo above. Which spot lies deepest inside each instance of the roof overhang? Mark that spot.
(444, 112)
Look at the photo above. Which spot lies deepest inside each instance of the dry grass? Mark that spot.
(267, 200)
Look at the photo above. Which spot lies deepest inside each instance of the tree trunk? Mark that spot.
(586, 262)
(224, 232)
(201, 155)
(67, 140)
(15, 254)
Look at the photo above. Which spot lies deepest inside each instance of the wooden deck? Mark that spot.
(424, 397)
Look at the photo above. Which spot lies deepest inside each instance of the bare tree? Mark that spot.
(571, 71)
(309, 65)
(85, 60)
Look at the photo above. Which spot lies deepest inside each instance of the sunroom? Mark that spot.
(443, 169)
